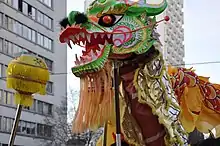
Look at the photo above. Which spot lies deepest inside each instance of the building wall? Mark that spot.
(34, 29)
(172, 33)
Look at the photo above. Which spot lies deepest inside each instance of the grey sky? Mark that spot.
(201, 37)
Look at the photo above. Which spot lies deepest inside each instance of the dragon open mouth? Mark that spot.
(97, 48)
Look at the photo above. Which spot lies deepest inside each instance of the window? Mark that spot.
(40, 107)
(0, 123)
(47, 2)
(40, 17)
(8, 98)
(33, 38)
(19, 28)
(4, 70)
(5, 48)
(10, 24)
(50, 109)
(33, 107)
(1, 19)
(7, 124)
(33, 13)
(44, 130)
(46, 42)
(20, 5)
(33, 128)
(23, 127)
(19, 126)
(14, 27)
(10, 49)
(16, 50)
(28, 127)
(29, 34)
(49, 64)
(50, 23)
(45, 108)
(49, 87)
(46, 21)
(47, 131)
(25, 32)
(1, 95)
(9, 2)
(25, 8)
(40, 130)
(40, 39)
(15, 4)
(1, 44)
(50, 44)
(6, 22)
(1, 70)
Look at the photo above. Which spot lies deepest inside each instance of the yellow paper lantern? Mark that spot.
(27, 75)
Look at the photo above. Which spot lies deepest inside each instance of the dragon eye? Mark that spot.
(109, 20)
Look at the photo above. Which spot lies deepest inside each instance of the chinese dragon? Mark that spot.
(159, 105)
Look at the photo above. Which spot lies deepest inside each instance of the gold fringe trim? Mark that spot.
(96, 103)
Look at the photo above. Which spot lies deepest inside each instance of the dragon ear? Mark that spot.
(151, 7)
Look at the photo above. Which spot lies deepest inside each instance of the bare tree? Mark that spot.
(62, 125)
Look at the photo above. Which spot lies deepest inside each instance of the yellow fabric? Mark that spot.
(196, 110)
(27, 75)
(109, 137)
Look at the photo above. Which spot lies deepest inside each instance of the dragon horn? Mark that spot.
(151, 7)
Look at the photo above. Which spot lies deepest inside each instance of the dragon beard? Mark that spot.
(96, 94)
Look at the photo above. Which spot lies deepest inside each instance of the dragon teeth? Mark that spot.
(102, 35)
(95, 35)
(92, 54)
(72, 38)
(106, 42)
(98, 52)
(88, 36)
(101, 46)
(109, 36)
(82, 35)
(77, 36)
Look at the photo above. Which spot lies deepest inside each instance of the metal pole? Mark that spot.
(105, 134)
(15, 125)
(117, 106)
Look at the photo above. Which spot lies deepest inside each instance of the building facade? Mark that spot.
(32, 26)
(172, 33)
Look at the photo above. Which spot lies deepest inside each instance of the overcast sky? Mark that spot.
(202, 37)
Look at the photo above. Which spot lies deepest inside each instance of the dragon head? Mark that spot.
(111, 29)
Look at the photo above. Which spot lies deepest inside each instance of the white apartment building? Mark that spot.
(32, 26)
(172, 33)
